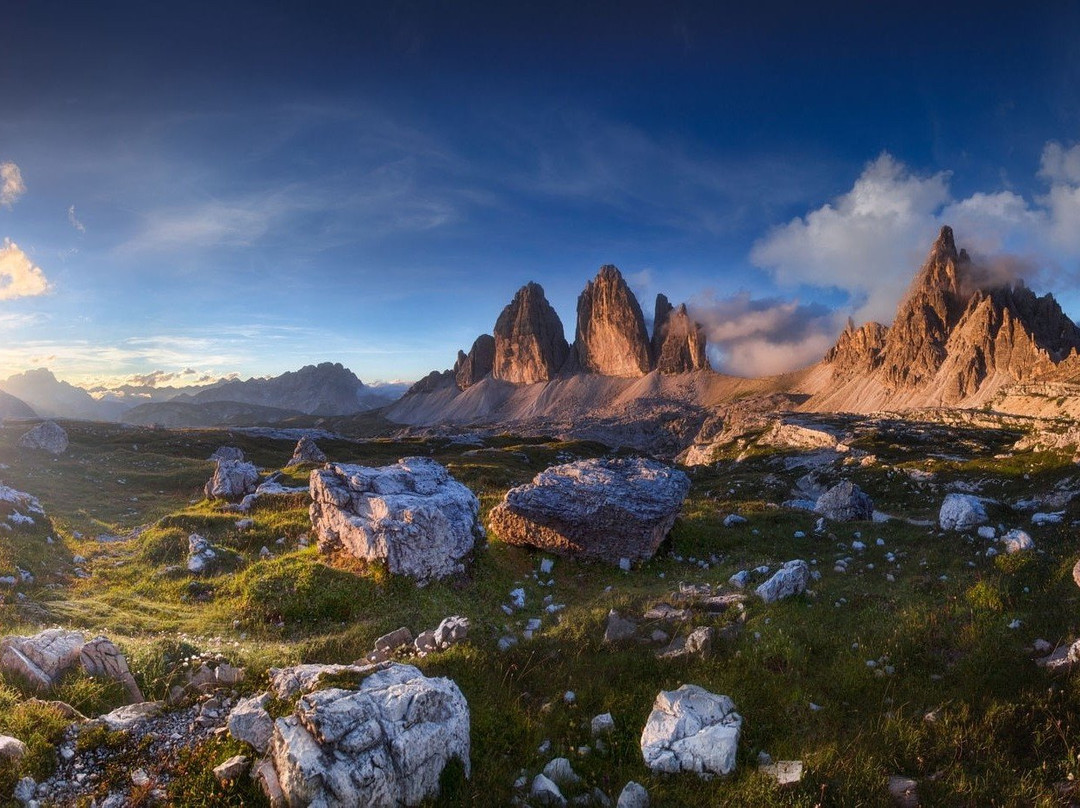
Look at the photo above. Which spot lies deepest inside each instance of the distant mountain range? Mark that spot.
(962, 338)
(324, 390)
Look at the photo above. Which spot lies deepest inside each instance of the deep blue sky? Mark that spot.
(257, 186)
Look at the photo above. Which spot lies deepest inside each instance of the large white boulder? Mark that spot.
(791, 579)
(961, 512)
(47, 437)
(43, 658)
(413, 515)
(601, 509)
(693, 730)
(383, 744)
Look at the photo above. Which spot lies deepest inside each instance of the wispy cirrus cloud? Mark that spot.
(73, 220)
(11, 184)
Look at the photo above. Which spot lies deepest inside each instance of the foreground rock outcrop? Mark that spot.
(530, 345)
(385, 743)
(611, 338)
(42, 659)
(692, 730)
(603, 509)
(413, 515)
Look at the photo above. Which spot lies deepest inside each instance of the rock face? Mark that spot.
(306, 451)
(691, 729)
(961, 326)
(45, 657)
(603, 509)
(384, 744)
(858, 351)
(845, 502)
(961, 512)
(529, 342)
(413, 515)
(233, 479)
(47, 437)
(678, 343)
(478, 363)
(611, 339)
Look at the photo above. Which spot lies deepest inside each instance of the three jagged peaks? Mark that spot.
(528, 344)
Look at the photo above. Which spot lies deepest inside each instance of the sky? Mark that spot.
(199, 189)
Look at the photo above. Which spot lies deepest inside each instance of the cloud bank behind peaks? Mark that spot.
(869, 241)
(11, 184)
(19, 277)
(764, 336)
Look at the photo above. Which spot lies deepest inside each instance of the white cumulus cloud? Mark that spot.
(19, 277)
(870, 240)
(11, 184)
(763, 336)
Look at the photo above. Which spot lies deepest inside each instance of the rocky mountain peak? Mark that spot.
(858, 350)
(611, 338)
(477, 363)
(915, 346)
(678, 343)
(529, 342)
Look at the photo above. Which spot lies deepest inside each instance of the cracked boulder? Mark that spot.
(691, 730)
(413, 515)
(385, 743)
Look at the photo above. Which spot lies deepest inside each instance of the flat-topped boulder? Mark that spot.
(602, 509)
(413, 515)
(384, 743)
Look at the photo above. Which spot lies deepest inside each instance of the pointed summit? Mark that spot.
(474, 366)
(529, 342)
(915, 345)
(611, 338)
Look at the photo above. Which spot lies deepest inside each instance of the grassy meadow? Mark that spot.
(952, 698)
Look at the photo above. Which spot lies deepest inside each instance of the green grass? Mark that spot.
(1003, 732)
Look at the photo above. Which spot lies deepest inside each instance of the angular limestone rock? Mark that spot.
(306, 451)
(233, 479)
(384, 744)
(691, 729)
(47, 437)
(412, 515)
(961, 512)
